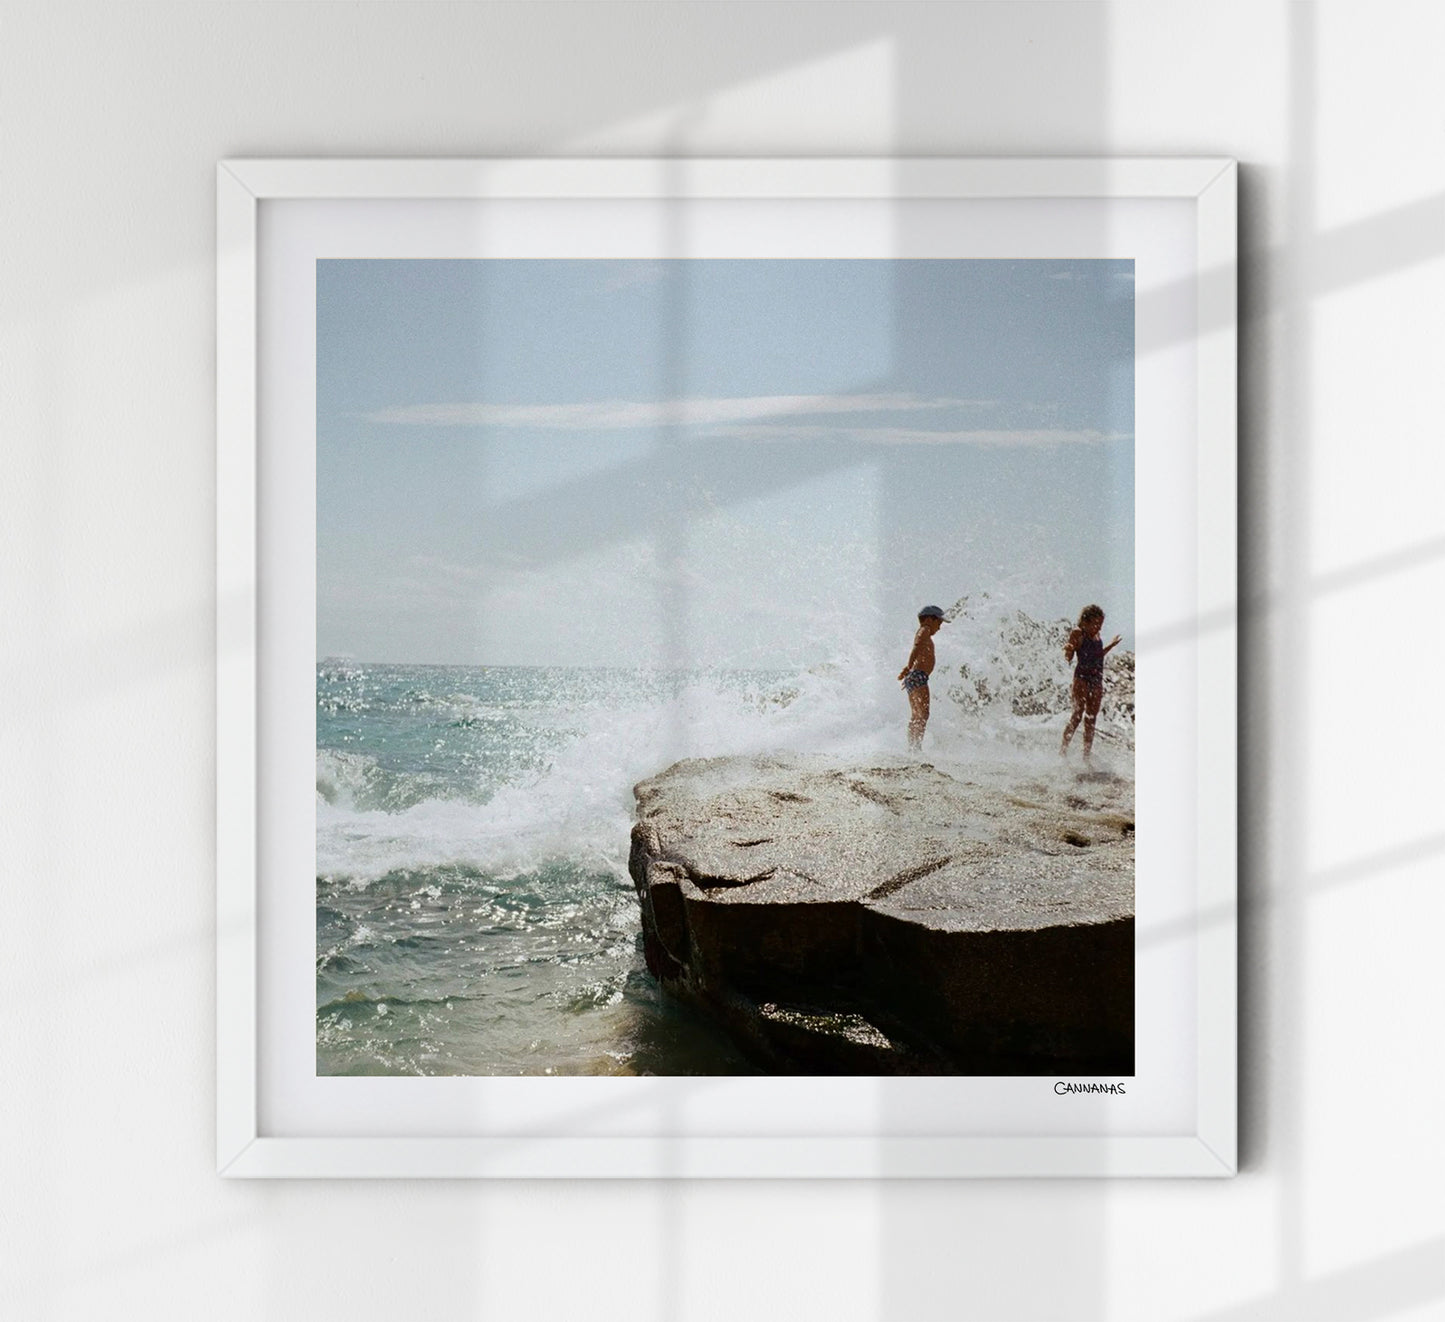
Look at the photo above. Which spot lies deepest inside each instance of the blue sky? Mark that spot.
(742, 463)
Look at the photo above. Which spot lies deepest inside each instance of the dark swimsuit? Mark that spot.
(1089, 661)
(914, 679)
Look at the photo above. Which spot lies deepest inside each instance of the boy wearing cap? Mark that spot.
(916, 671)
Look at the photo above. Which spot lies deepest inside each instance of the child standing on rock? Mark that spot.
(1088, 653)
(916, 671)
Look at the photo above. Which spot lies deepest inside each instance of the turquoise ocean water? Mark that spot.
(473, 911)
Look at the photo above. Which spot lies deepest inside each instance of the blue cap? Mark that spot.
(935, 611)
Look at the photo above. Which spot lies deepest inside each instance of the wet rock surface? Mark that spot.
(895, 917)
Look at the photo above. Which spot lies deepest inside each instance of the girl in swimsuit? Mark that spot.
(1088, 653)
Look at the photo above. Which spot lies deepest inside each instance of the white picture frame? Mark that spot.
(249, 1143)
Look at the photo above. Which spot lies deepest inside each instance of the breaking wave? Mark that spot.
(508, 770)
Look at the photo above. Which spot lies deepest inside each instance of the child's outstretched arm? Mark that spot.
(1113, 643)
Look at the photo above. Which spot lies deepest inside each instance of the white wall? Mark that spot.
(111, 119)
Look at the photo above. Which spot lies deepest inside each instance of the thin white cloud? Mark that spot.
(618, 414)
(924, 436)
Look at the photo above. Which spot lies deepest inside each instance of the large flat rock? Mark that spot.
(895, 916)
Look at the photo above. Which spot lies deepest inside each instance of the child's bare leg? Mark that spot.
(918, 703)
(1096, 696)
(1074, 719)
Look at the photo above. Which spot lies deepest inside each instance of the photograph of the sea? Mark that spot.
(474, 911)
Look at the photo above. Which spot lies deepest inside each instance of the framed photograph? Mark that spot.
(726, 668)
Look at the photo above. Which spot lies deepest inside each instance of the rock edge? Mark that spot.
(893, 918)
